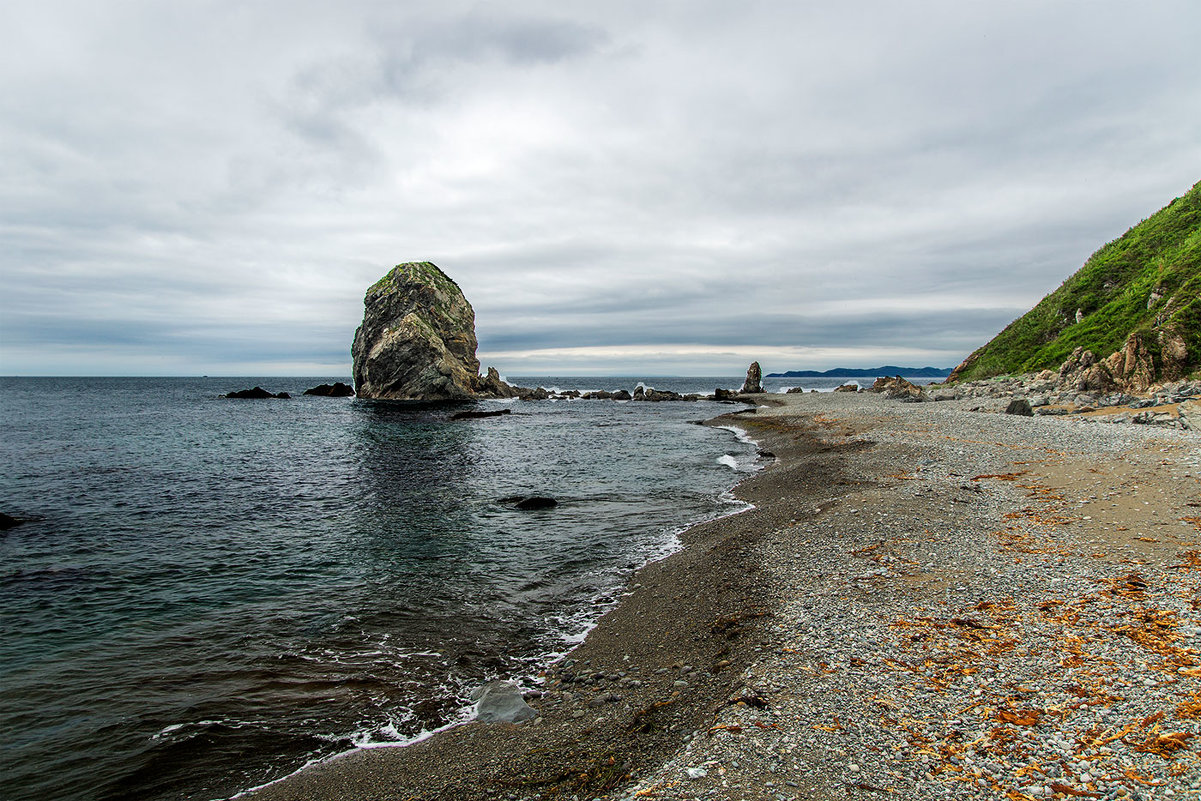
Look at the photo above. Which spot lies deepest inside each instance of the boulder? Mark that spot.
(847, 388)
(334, 390)
(639, 393)
(898, 388)
(1020, 406)
(795, 391)
(660, 395)
(501, 702)
(754, 376)
(417, 341)
(256, 393)
(622, 395)
(720, 394)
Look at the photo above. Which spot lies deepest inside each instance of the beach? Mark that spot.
(925, 601)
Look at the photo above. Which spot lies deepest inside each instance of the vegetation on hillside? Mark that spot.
(1148, 281)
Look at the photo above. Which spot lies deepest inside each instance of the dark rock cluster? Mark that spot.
(256, 393)
(334, 390)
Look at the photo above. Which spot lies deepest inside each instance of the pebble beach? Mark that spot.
(928, 600)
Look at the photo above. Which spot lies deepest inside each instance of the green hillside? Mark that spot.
(1148, 281)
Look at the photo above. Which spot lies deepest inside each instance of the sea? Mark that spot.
(210, 594)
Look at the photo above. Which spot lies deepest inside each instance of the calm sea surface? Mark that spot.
(214, 592)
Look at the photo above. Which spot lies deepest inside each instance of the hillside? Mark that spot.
(1140, 293)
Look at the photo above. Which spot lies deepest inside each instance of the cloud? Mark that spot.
(194, 186)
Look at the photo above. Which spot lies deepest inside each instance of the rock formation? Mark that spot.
(417, 340)
(1132, 368)
(898, 388)
(257, 393)
(334, 390)
(754, 376)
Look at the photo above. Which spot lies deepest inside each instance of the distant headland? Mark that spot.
(867, 372)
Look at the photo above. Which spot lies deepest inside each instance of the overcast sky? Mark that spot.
(648, 188)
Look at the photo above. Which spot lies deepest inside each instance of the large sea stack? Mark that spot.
(417, 340)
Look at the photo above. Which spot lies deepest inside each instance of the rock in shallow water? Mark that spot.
(256, 393)
(334, 390)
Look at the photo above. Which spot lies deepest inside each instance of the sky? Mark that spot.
(671, 188)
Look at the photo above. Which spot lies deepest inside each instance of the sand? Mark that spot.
(925, 602)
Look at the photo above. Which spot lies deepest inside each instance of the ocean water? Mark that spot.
(214, 592)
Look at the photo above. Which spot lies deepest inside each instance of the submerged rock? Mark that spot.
(536, 502)
(8, 521)
(501, 702)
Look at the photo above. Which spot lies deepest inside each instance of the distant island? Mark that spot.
(867, 372)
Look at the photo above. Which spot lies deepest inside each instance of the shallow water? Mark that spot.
(218, 591)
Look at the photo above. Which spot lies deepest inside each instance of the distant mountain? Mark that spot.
(1135, 304)
(867, 372)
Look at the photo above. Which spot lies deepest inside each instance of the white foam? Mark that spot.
(729, 461)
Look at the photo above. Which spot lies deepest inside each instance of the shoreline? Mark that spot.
(677, 535)
(421, 769)
(711, 678)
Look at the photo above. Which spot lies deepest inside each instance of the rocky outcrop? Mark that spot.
(492, 386)
(334, 390)
(964, 367)
(417, 340)
(1132, 368)
(898, 388)
(256, 393)
(754, 377)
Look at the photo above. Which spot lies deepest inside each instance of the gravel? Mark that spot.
(987, 606)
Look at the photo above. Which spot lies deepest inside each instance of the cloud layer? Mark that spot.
(210, 187)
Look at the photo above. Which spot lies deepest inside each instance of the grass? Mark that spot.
(1161, 255)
